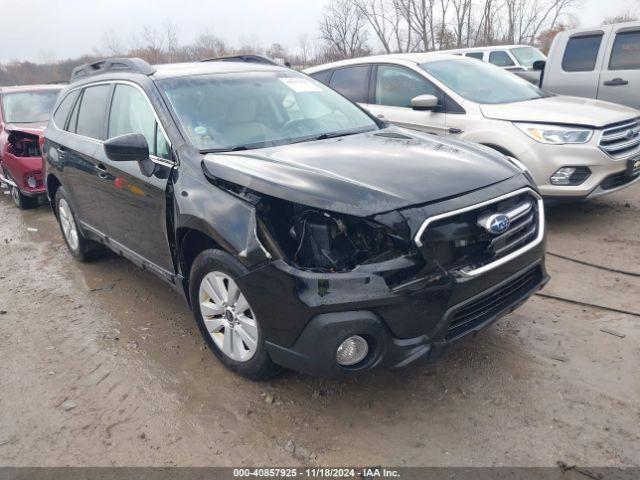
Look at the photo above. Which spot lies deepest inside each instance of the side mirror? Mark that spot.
(539, 65)
(132, 147)
(424, 102)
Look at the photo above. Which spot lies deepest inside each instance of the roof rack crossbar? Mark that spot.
(133, 65)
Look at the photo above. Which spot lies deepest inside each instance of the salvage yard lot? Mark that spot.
(102, 364)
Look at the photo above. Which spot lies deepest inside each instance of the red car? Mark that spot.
(24, 113)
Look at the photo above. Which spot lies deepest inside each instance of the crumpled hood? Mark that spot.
(363, 174)
(561, 110)
(36, 129)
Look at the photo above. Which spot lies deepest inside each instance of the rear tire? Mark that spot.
(80, 247)
(225, 318)
(21, 200)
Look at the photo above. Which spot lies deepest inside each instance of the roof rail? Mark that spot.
(247, 58)
(133, 65)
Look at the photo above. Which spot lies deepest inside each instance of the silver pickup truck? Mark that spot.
(601, 62)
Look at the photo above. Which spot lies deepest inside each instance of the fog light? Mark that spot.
(31, 181)
(352, 351)
(562, 176)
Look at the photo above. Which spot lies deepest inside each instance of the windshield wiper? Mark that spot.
(237, 148)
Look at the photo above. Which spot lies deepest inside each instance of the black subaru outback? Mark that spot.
(303, 232)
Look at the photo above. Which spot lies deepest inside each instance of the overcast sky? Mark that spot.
(45, 30)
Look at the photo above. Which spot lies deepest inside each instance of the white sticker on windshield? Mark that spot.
(300, 85)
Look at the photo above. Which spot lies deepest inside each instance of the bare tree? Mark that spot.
(112, 45)
(342, 28)
(207, 45)
(381, 16)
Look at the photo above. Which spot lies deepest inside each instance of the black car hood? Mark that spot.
(363, 174)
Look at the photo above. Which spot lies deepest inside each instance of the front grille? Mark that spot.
(492, 304)
(462, 242)
(621, 140)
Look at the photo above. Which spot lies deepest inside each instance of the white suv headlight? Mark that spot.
(555, 134)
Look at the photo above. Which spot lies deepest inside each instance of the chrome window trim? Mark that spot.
(118, 82)
(501, 261)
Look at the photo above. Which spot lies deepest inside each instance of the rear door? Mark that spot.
(137, 203)
(393, 88)
(620, 75)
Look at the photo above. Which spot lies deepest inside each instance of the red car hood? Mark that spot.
(36, 129)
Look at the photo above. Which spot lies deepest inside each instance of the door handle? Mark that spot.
(380, 116)
(102, 171)
(61, 151)
(616, 82)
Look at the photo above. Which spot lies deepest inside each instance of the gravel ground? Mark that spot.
(102, 364)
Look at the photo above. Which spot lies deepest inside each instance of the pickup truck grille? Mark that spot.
(461, 241)
(621, 140)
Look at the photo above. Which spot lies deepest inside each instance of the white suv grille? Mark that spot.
(622, 140)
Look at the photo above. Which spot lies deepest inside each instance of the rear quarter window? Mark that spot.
(625, 54)
(62, 112)
(581, 53)
(476, 55)
(352, 82)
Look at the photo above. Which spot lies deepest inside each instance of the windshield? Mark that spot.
(258, 109)
(527, 55)
(482, 82)
(28, 107)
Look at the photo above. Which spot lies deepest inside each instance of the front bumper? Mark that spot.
(305, 316)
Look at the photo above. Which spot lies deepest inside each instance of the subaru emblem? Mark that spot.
(497, 223)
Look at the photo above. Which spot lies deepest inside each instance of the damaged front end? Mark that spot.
(22, 163)
(333, 272)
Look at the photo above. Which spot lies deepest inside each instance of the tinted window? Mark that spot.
(62, 112)
(625, 54)
(92, 111)
(352, 82)
(396, 86)
(28, 107)
(501, 59)
(581, 53)
(478, 55)
(322, 76)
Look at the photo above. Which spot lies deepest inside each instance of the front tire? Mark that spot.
(80, 247)
(225, 317)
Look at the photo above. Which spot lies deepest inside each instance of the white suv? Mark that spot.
(573, 147)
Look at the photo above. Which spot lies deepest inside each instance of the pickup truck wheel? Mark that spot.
(80, 247)
(225, 317)
(22, 201)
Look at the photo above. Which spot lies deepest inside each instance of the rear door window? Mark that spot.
(352, 82)
(93, 107)
(501, 58)
(625, 54)
(581, 53)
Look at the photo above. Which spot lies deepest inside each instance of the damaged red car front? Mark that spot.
(24, 113)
